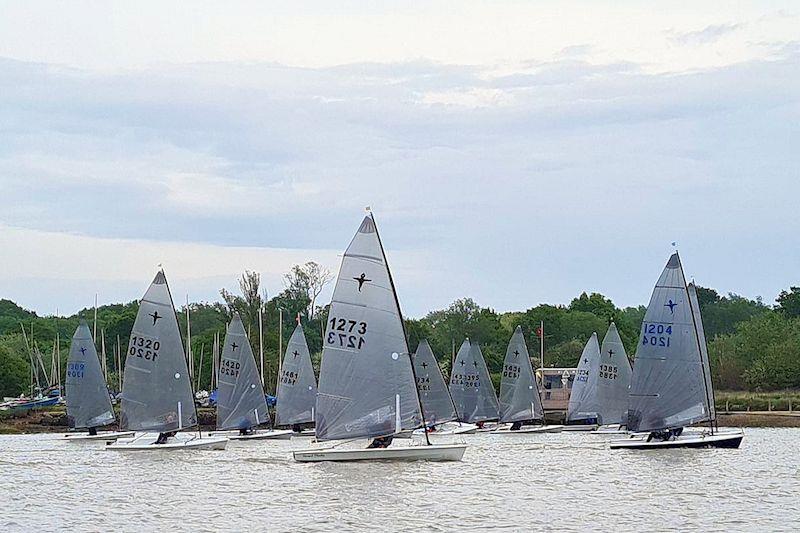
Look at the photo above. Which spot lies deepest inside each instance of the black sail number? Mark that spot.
(345, 333)
(144, 348)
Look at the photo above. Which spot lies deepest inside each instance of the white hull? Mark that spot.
(448, 429)
(101, 435)
(615, 429)
(580, 427)
(722, 439)
(434, 452)
(506, 430)
(270, 434)
(146, 442)
(487, 428)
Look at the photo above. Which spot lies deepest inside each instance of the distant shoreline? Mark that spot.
(54, 420)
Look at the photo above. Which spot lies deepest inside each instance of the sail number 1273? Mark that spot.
(656, 334)
(346, 333)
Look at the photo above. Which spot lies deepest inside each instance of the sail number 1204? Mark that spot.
(656, 334)
(346, 333)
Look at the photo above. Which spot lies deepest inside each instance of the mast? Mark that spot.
(94, 329)
(119, 364)
(280, 349)
(103, 352)
(700, 353)
(405, 334)
(189, 358)
(261, 342)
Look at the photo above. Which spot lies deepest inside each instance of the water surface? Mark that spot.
(567, 481)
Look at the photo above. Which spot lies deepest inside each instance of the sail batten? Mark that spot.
(366, 363)
(519, 393)
(668, 389)
(156, 376)
(297, 388)
(88, 402)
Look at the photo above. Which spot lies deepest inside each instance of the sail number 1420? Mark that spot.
(656, 334)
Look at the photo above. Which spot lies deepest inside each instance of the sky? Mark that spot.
(513, 152)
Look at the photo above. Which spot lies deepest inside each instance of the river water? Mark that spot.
(566, 482)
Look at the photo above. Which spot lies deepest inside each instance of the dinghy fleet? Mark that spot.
(378, 401)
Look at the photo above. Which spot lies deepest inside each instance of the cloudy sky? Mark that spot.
(514, 152)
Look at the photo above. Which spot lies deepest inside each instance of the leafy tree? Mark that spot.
(789, 302)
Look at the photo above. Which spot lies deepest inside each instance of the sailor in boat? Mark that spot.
(246, 431)
(297, 428)
(381, 442)
(163, 438)
(665, 434)
(93, 431)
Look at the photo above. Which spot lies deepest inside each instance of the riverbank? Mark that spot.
(54, 420)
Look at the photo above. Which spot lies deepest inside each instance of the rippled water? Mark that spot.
(566, 481)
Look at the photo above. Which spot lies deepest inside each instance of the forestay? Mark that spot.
(156, 392)
(366, 383)
(667, 385)
(88, 402)
(297, 388)
(434, 396)
(471, 387)
(583, 403)
(519, 393)
(240, 396)
(613, 379)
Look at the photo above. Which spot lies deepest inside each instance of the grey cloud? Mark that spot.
(707, 35)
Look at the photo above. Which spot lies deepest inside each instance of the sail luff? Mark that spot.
(703, 348)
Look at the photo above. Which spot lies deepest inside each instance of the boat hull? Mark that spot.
(528, 429)
(580, 427)
(102, 435)
(147, 443)
(706, 440)
(434, 452)
(275, 434)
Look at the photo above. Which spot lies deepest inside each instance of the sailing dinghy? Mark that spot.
(472, 390)
(297, 388)
(520, 402)
(671, 382)
(88, 402)
(367, 388)
(157, 397)
(437, 405)
(241, 405)
(581, 393)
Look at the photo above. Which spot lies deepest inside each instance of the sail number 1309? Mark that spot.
(346, 333)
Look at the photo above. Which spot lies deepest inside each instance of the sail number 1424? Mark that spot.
(656, 334)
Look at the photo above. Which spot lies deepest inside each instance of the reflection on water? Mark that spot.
(566, 481)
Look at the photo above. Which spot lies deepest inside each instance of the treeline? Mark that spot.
(752, 346)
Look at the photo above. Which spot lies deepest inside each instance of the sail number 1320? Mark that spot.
(346, 333)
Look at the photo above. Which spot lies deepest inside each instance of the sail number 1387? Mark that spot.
(346, 333)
